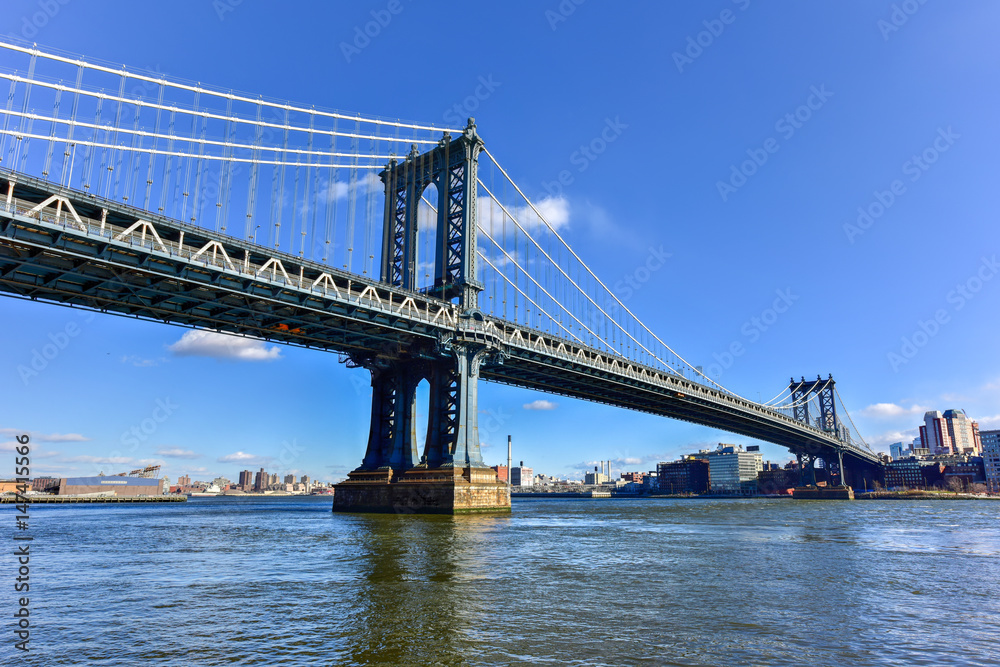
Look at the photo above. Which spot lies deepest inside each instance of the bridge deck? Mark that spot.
(81, 251)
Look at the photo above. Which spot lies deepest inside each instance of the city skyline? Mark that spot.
(806, 279)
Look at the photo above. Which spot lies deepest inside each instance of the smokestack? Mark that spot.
(508, 459)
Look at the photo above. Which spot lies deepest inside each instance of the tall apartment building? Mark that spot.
(246, 480)
(951, 432)
(261, 481)
(289, 479)
(991, 459)
(184, 480)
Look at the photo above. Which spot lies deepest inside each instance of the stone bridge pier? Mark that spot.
(449, 477)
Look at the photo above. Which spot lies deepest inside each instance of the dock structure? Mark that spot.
(35, 500)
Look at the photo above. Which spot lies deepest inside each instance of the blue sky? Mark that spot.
(866, 135)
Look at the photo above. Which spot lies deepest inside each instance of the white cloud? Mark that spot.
(891, 410)
(334, 191)
(243, 457)
(540, 404)
(889, 437)
(988, 423)
(178, 453)
(491, 216)
(44, 437)
(200, 343)
(119, 460)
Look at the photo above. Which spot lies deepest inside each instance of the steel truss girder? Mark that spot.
(137, 281)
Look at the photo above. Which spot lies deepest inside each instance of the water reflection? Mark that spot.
(418, 598)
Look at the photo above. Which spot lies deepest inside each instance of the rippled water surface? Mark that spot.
(587, 582)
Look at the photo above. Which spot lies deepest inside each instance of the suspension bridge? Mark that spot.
(404, 247)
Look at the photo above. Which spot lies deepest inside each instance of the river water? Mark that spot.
(575, 581)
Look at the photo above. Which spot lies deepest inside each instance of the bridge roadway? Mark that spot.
(79, 250)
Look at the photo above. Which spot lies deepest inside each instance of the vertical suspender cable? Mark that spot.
(24, 110)
(52, 136)
(279, 192)
(88, 160)
(113, 140)
(254, 173)
(307, 204)
(370, 210)
(6, 125)
(198, 199)
(352, 198)
(225, 167)
(186, 162)
(331, 200)
(150, 170)
(168, 165)
(134, 159)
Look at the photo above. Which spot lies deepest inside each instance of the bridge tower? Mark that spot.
(450, 475)
(824, 392)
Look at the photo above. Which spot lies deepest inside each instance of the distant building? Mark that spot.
(261, 481)
(904, 474)
(896, 451)
(775, 480)
(221, 482)
(501, 473)
(289, 479)
(41, 484)
(115, 485)
(246, 480)
(991, 459)
(304, 480)
(689, 475)
(962, 467)
(184, 480)
(522, 476)
(594, 478)
(950, 433)
(733, 470)
(633, 477)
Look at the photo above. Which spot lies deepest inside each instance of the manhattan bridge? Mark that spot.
(405, 248)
